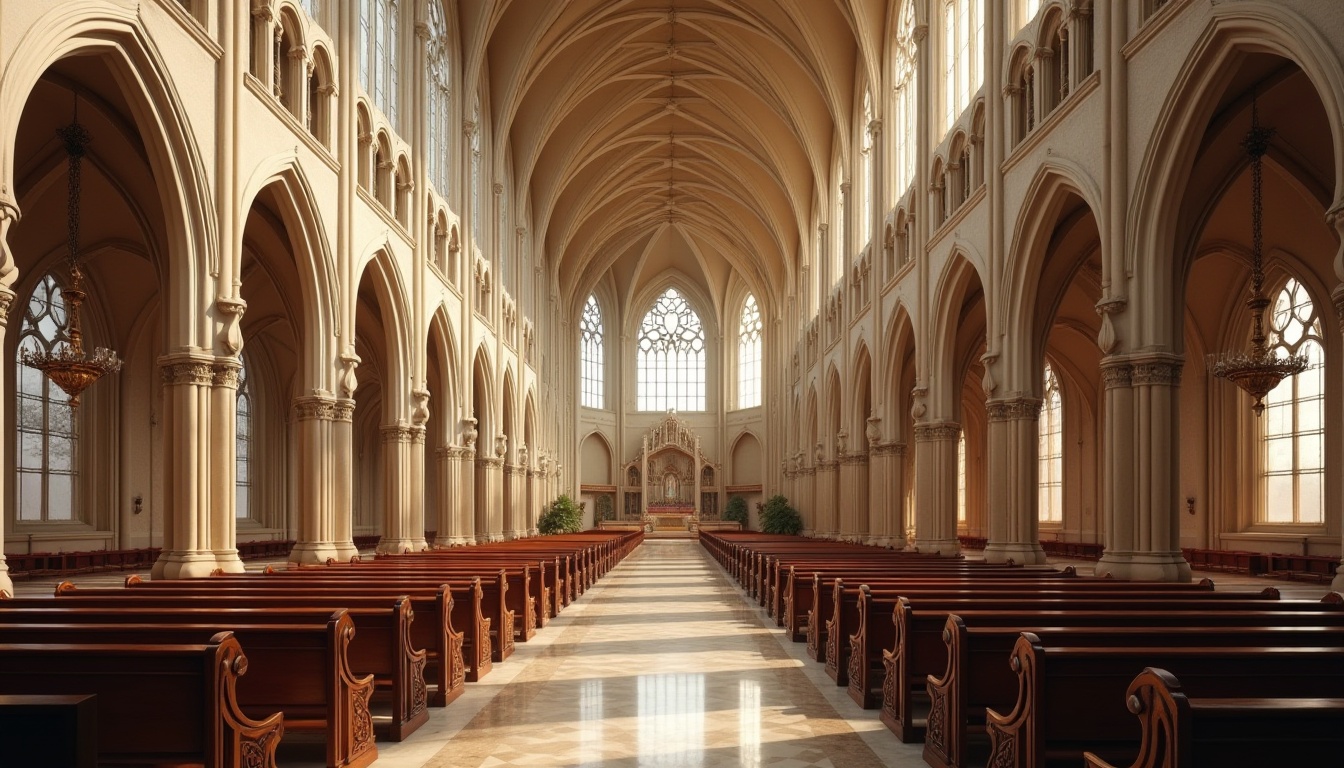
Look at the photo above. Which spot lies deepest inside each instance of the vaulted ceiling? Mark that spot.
(658, 136)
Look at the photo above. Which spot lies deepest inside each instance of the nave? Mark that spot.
(662, 663)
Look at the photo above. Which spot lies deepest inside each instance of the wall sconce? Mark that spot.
(1190, 504)
(139, 504)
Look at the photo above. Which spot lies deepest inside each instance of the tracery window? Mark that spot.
(378, 54)
(961, 478)
(243, 447)
(1293, 424)
(670, 356)
(475, 150)
(963, 65)
(1050, 451)
(866, 159)
(437, 84)
(47, 447)
(905, 75)
(749, 355)
(592, 363)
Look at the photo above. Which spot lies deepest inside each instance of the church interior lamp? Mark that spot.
(1257, 370)
(67, 365)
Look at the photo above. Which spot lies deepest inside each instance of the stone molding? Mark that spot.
(345, 409)
(315, 407)
(1116, 374)
(402, 433)
(1157, 373)
(854, 459)
(488, 462)
(227, 374)
(6, 303)
(177, 373)
(1015, 409)
(889, 449)
(928, 433)
(1337, 296)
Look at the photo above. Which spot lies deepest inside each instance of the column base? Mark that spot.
(388, 546)
(346, 551)
(452, 541)
(944, 547)
(227, 560)
(184, 565)
(1144, 566)
(1021, 553)
(314, 553)
(1335, 586)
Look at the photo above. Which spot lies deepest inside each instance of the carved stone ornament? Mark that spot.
(200, 373)
(1016, 409)
(307, 408)
(1115, 375)
(1337, 296)
(918, 409)
(1158, 373)
(522, 454)
(420, 414)
(6, 302)
(841, 442)
(399, 433)
(231, 315)
(345, 410)
(349, 382)
(1106, 338)
(820, 453)
(8, 271)
(874, 430)
(226, 373)
(469, 433)
(988, 382)
(501, 445)
(926, 433)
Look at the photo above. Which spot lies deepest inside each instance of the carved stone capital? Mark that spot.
(349, 382)
(227, 373)
(401, 433)
(939, 432)
(9, 214)
(1337, 296)
(1014, 409)
(315, 407)
(345, 410)
(1162, 373)
(180, 372)
(6, 302)
(1116, 374)
(854, 459)
(420, 414)
(889, 449)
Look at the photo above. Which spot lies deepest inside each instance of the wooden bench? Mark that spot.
(382, 645)
(452, 656)
(158, 705)
(1181, 732)
(1072, 700)
(919, 650)
(978, 676)
(301, 670)
(56, 731)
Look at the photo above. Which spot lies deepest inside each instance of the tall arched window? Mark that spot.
(592, 363)
(905, 57)
(866, 159)
(963, 68)
(243, 447)
(961, 477)
(48, 431)
(749, 355)
(475, 149)
(1293, 425)
(1050, 451)
(670, 356)
(437, 84)
(378, 54)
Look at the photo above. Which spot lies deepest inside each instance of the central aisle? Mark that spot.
(663, 664)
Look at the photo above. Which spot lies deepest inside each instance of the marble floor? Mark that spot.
(663, 663)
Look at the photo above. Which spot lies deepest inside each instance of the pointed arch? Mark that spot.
(380, 267)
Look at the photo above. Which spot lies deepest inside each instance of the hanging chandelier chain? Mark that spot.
(76, 139)
(1256, 144)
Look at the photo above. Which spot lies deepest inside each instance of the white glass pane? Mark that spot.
(59, 498)
(1279, 455)
(61, 453)
(1278, 417)
(241, 495)
(1310, 498)
(30, 496)
(1279, 495)
(1309, 449)
(1309, 415)
(30, 450)
(29, 413)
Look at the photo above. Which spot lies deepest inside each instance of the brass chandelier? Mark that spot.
(1259, 369)
(66, 365)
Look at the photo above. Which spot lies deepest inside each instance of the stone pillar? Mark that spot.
(224, 466)
(399, 499)
(342, 479)
(807, 495)
(936, 488)
(464, 501)
(316, 470)
(1014, 514)
(533, 499)
(489, 510)
(823, 489)
(887, 484)
(6, 478)
(188, 380)
(1142, 469)
(1337, 217)
(854, 497)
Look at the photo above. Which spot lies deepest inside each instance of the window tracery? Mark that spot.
(47, 450)
(749, 357)
(670, 356)
(437, 92)
(1293, 425)
(592, 364)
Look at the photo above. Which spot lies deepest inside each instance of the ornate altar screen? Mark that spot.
(666, 482)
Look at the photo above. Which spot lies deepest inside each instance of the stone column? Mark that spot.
(316, 470)
(188, 379)
(936, 489)
(1014, 514)
(6, 478)
(342, 479)
(807, 495)
(532, 502)
(854, 497)
(489, 515)
(464, 501)
(823, 491)
(224, 465)
(887, 484)
(398, 496)
(1142, 469)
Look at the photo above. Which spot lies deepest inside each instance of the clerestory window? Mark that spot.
(591, 361)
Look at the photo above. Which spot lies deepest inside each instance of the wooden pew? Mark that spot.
(453, 656)
(1181, 732)
(978, 678)
(1072, 700)
(919, 650)
(158, 705)
(301, 670)
(382, 645)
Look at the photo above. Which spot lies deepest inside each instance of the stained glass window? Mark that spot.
(1050, 452)
(670, 357)
(243, 448)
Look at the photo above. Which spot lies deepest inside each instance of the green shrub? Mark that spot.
(562, 516)
(778, 517)
(736, 511)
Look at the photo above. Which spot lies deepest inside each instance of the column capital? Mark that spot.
(6, 303)
(187, 368)
(402, 433)
(310, 407)
(1160, 370)
(227, 373)
(1116, 373)
(1014, 409)
(937, 431)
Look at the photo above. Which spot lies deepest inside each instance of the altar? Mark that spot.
(670, 486)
